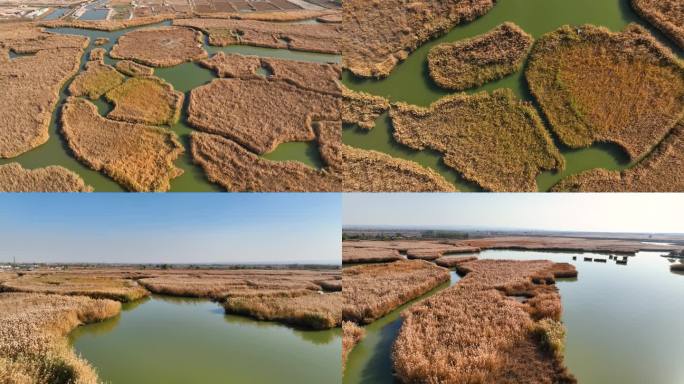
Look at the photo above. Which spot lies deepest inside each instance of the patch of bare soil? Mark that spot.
(139, 157)
(15, 178)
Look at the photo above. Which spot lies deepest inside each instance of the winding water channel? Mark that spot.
(623, 322)
(181, 340)
(183, 77)
(410, 81)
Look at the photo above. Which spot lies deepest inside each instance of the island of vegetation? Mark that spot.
(15, 178)
(473, 62)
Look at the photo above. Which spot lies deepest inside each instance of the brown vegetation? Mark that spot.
(313, 310)
(314, 77)
(378, 34)
(97, 54)
(322, 38)
(660, 171)
(139, 157)
(131, 68)
(372, 171)
(434, 252)
(473, 62)
(453, 261)
(493, 139)
(351, 254)
(352, 334)
(147, 100)
(65, 283)
(361, 108)
(95, 81)
(237, 169)
(472, 332)
(294, 15)
(31, 84)
(598, 86)
(15, 178)
(33, 330)
(677, 267)
(101, 41)
(160, 47)
(259, 114)
(373, 290)
(666, 15)
(105, 25)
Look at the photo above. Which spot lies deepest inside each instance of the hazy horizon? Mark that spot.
(621, 213)
(231, 228)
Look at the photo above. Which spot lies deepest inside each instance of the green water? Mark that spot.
(623, 322)
(183, 77)
(371, 359)
(177, 340)
(410, 82)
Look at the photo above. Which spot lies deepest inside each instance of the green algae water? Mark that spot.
(183, 77)
(371, 359)
(179, 340)
(410, 81)
(623, 322)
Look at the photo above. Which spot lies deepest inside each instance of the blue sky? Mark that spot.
(171, 228)
(618, 212)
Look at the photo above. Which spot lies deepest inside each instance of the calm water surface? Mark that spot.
(410, 81)
(183, 77)
(623, 322)
(178, 340)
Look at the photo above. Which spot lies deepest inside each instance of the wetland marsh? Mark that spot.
(410, 82)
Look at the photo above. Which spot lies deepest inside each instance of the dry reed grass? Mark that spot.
(219, 285)
(371, 291)
(322, 38)
(65, 283)
(15, 178)
(293, 15)
(230, 165)
(31, 84)
(453, 261)
(314, 77)
(377, 35)
(666, 15)
(473, 333)
(160, 47)
(105, 25)
(473, 62)
(259, 114)
(598, 86)
(434, 252)
(660, 171)
(372, 171)
(495, 140)
(146, 100)
(96, 80)
(131, 68)
(361, 108)
(139, 157)
(97, 54)
(352, 334)
(33, 330)
(330, 285)
(351, 254)
(312, 310)
(101, 41)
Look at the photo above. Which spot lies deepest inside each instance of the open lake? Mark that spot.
(180, 340)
